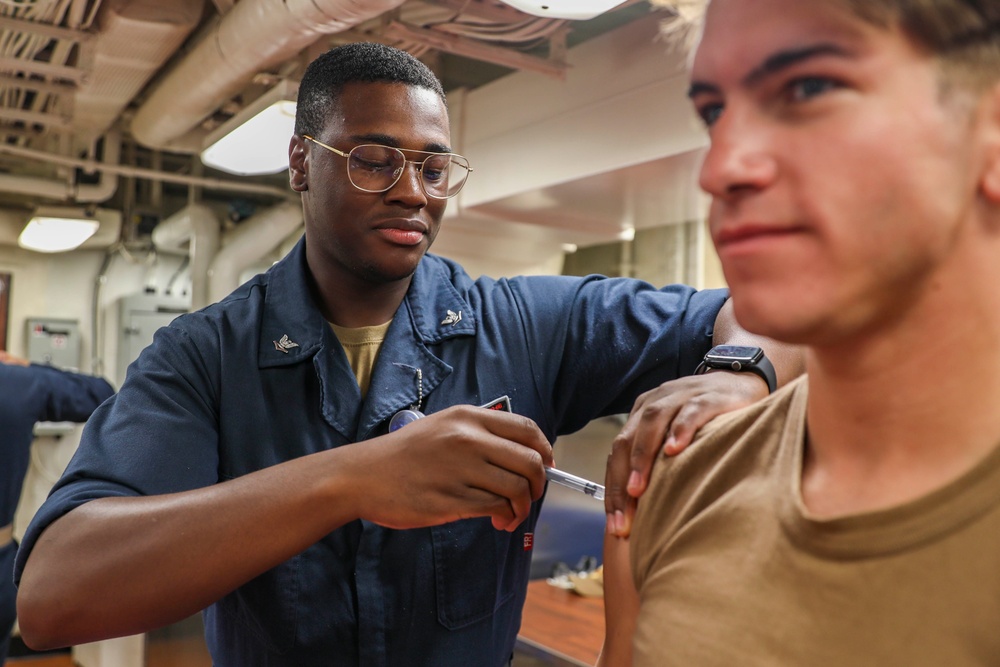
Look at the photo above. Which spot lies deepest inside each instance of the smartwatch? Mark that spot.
(741, 359)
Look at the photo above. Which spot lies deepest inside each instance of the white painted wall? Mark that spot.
(62, 286)
(624, 102)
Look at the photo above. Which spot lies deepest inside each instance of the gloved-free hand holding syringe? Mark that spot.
(554, 474)
(585, 486)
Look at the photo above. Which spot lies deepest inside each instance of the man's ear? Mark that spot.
(991, 173)
(297, 162)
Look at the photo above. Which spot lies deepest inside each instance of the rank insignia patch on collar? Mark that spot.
(453, 318)
(284, 345)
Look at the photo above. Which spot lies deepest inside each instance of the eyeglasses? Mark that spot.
(376, 168)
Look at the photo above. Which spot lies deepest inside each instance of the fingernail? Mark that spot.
(609, 524)
(670, 446)
(634, 481)
(619, 523)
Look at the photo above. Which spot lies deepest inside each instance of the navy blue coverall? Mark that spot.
(30, 394)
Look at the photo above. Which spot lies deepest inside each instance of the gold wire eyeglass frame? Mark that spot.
(462, 162)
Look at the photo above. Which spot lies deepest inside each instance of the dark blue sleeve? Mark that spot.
(158, 434)
(601, 342)
(68, 396)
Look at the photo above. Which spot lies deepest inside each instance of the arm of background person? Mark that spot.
(72, 396)
(667, 417)
(69, 396)
(122, 565)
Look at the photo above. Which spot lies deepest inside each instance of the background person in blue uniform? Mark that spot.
(246, 465)
(31, 393)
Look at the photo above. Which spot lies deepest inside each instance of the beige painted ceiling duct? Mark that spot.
(68, 189)
(254, 35)
(194, 231)
(254, 238)
(135, 38)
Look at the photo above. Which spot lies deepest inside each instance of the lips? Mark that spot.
(730, 236)
(404, 224)
(734, 233)
(400, 231)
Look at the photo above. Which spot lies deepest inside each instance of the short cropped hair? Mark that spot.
(963, 34)
(366, 62)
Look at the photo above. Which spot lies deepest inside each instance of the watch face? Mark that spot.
(728, 353)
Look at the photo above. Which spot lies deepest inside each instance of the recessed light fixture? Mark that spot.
(255, 140)
(58, 229)
(565, 9)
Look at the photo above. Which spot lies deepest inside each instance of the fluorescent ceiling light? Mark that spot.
(564, 9)
(57, 230)
(255, 141)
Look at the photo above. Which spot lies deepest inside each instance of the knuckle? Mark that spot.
(615, 486)
(644, 397)
(697, 407)
(525, 422)
(535, 458)
(621, 444)
(459, 410)
(654, 412)
(640, 453)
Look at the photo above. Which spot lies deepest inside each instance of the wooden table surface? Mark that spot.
(560, 624)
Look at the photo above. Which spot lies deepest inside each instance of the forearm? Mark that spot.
(788, 360)
(120, 566)
(621, 604)
(166, 557)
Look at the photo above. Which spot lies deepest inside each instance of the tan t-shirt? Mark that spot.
(731, 570)
(361, 345)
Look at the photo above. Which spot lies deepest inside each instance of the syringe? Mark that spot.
(577, 483)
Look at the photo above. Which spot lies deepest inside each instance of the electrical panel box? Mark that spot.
(55, 342)
(140, 316)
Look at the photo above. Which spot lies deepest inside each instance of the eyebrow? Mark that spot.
(388, 140)
(773, 65)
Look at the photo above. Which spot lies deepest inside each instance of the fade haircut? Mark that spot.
(964, 35)
(365, 62)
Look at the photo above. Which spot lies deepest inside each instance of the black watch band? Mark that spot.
(740, 359)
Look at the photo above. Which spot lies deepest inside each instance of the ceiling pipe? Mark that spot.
(134, 39)
(67, 189)
(107, 183)
(57, 190)
(253, 36)
(194, 231)
(256, 236)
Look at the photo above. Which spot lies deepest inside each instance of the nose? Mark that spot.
(409, 189)
(739, 158)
